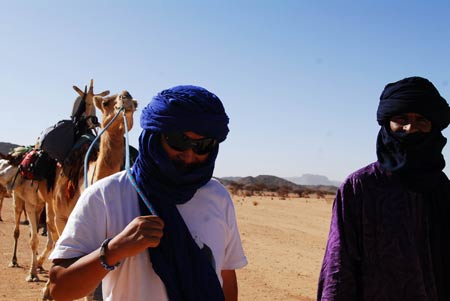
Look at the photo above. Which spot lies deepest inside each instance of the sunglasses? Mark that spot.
(180, 142)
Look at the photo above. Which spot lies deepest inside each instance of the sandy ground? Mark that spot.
(284, 241)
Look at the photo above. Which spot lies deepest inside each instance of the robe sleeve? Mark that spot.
(339, 276)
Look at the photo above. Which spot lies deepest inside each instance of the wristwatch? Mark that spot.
(103, 250)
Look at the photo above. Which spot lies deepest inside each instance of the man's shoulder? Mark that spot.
(118, 177)
(215, 192)
(367, 173)
(214, 186)
(112, 182)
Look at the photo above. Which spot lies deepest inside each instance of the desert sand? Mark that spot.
(284, 241)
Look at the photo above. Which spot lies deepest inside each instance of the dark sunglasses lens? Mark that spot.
(204, 146)
(177, 141)
(180, 142)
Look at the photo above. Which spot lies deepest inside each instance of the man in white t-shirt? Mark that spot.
(165, 230)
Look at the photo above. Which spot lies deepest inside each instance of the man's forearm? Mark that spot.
(75, 278)
(230, 286)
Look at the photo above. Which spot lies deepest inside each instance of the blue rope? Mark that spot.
(127, 168)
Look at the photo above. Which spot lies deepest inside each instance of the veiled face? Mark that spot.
(185, 160)
(410, 123)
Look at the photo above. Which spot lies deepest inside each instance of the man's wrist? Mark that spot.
(103, 253)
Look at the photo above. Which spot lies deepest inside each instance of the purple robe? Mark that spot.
(381, 246)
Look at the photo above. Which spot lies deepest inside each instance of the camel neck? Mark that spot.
(110, 155)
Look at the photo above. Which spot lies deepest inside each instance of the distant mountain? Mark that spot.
(267, 180)
(275, 182)
(5, 147)
(310, 179)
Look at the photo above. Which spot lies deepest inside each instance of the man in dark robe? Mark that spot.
(390, 230)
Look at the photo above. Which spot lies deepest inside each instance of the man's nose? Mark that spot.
(410, 128)
(187, 156)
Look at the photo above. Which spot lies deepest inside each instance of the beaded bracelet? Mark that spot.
(103, 249)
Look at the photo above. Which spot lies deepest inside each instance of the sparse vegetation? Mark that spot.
(275, 187)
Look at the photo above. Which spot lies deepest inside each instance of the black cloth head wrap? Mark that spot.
(414, 95)
(185, 270)
(416, 157)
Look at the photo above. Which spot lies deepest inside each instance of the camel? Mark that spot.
(26, 198)
(25, 194)
(6, 174)
(33, 195)
(90, 123)
(108, 160)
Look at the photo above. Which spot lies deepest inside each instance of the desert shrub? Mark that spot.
(283, 191)
(320, 194)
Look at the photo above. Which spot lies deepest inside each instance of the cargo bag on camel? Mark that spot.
(36, 165)
(59, 139)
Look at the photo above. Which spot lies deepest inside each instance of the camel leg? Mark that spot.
(18, 205)
(25, 221)
(60, 222)
(33, 216)
(51, 222)
(43, 256)
(52, 235)
(43, 222)
(2, 195)
(51, 231)
(46, 291)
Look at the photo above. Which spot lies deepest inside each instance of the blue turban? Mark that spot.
(415, 95)
(178, 261)
(186, 108)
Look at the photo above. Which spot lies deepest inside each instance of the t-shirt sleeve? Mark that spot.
(85, 229)
(234, 252)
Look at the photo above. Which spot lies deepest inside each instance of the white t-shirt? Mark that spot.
(107, 207)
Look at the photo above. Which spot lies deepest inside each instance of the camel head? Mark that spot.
(15, 156)
(7, 173)
(89, 112)
(109, 106)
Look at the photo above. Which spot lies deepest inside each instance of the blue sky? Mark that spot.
(300, 80)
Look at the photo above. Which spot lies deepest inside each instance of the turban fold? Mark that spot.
(413, 95)
(186, 108)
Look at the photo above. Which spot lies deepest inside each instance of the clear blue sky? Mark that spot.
(300, 80)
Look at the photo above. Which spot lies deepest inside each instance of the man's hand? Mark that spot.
(141, 233)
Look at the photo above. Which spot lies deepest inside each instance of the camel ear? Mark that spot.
(98, 100)
(107, 100)
(78, 90)
(104, 93)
